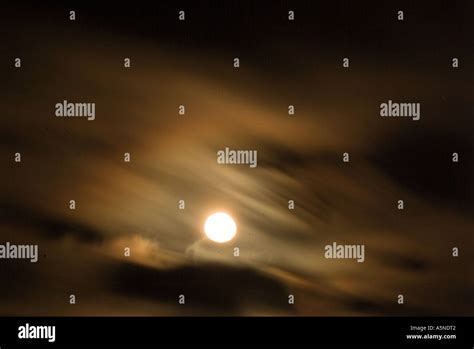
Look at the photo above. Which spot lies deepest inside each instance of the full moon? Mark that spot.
(220, 227)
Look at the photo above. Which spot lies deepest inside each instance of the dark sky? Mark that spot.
(135, 204)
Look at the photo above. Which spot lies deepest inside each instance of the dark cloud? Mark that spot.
(210, 288)
(48, 226)
(407, 263)
(422, 162)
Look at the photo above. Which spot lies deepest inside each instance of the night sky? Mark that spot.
(300, 157)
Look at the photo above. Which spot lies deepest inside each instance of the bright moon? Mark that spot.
(220, 227)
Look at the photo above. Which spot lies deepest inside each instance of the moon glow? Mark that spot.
(220, 227)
